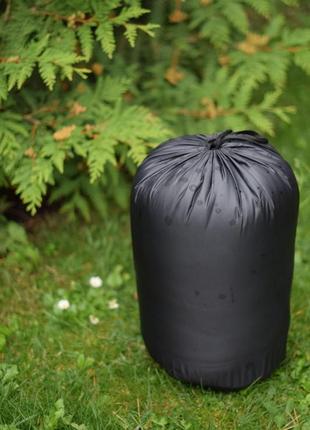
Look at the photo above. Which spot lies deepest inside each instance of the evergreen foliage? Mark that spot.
(80, 108)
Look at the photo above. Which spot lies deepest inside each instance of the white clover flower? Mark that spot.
(95, 281)
(93, 319)
(113, 304)
(63, 304)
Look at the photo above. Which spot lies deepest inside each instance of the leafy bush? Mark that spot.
(16, 248)
(80, 108)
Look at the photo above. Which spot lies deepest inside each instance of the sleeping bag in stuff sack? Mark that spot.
(213, 221)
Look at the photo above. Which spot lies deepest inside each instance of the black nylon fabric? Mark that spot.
(213, 229)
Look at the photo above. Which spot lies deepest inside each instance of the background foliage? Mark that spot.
(80, 107)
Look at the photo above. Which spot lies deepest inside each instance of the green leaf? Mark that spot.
(216, 30)
(260, 121)
(48, 73)
(3, 87)
(131, 34)
(110, 89)
(270, 99)
(17, 233)
(84, 362)
(8, 372)
(31, 178)
(82, 205)
(148, 28)
(282, 114)
(302, 59)
(2, 341)
(277, 66)
(235, 14)
(275, 26)
(86, 40)
(263, 7)
(78, 426)
(128, 13)
(100, 152)
(96, 197)
(59, 405)
(105, 36)
(24, 73)
(297, 37)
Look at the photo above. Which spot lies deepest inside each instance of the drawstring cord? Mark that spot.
(248, 136)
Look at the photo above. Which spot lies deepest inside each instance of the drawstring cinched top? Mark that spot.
(248, 136)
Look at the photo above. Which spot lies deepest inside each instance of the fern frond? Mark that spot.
(105, 35)
(260, 121)
(275, 26)
(31, 179)
(9, 145)
(140, 130)
(12, 131)
(236, 15)
(296, 37)
(270, 99)
(81, 204)
(3, 87)
(56, 152)
(277, 65)
(216, 30)
(148, 28)
(263, 7)
(48, 73)
(282, 114)
(131, 34)
(100, 152)
(302, 59)
(86, 40)
(110, 89)
(128, 13)
(18, 73)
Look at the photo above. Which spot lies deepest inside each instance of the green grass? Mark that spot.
(58, 371)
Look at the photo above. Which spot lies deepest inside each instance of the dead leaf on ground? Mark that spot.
(10, 59)
(177, 16)
(173, 75)
(254, 42)
(258, 39)
(64, 133)
(97, 68)
(30, 152)
(224, 60)
(77, 109)
(81, 88)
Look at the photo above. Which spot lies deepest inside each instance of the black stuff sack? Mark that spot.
(213, 228)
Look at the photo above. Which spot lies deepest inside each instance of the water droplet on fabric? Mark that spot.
(168, 220)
